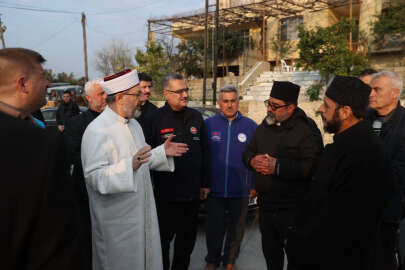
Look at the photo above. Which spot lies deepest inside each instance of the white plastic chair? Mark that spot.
(284, 66)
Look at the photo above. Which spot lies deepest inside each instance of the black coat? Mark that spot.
(66, 111)
(146, 109)
(393, 135)
(74, 131)
(296, 144)
(192, 169)
(336, 225)
(38, 228)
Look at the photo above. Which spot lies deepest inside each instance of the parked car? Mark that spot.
(49, 114)
(207, 112)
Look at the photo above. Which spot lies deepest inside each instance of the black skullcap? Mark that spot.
(349, 91)
(286, 91)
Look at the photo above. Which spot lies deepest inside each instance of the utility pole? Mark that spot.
(86, 69)
(214, 94)
(2, 30)
(205, 53)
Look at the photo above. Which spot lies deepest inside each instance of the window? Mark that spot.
(289, 28)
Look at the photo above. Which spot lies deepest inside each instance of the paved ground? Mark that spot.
(250, 258)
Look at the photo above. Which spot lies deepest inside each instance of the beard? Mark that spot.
(270, 118)
(333, 125)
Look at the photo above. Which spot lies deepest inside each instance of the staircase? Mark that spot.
(260, 89)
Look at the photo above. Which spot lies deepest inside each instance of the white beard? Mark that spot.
(270, 120)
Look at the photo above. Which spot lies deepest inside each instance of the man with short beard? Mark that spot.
(116, 163)
(74, 130)
(282, 153)
(337, 226)
(145, 82)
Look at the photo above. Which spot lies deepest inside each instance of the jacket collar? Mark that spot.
(361, 128)
(14, 112)
(237, 117)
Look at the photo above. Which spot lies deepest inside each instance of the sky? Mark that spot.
(56, 31)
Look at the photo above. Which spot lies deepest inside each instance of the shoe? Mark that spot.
(210, 266)
(230, 266)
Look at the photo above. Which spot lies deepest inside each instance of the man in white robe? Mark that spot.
(116, 162)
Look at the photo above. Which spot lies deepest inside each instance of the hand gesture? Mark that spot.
(173, 149)
(264, 164)
(141, 157)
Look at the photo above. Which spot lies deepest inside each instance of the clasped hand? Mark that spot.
(264, 164)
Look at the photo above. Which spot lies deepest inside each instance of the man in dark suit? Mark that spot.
(74, 130)
(38, 226)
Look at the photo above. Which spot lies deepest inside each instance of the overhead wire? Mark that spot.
(37, 9)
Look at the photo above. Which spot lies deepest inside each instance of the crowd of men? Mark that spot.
(140, 172)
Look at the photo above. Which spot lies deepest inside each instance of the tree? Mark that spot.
(154, 62)
(389, 28)
(327, 49)
(114, 58)
(189, 58)
(64, 77)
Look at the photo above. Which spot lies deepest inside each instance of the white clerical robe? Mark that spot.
(125, 231)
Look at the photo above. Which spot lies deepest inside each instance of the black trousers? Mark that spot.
(387, 247)
(274, 224)
(225, 215)
(179, 220)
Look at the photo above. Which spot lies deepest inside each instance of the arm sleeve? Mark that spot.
(59, 120)
(398, 165)
(250, 152)
(159, 161)
(206, 165)
(99, 173)
(301, 167)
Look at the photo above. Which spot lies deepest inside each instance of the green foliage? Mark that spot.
(282, 48)
(390, 22)
(314, 91)
(326, 49)
(189, 60)
(64, 77)
(154, 62)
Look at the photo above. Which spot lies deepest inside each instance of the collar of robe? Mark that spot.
(115, 115)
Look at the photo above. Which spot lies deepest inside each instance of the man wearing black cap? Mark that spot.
(282, 153)
(337, 225)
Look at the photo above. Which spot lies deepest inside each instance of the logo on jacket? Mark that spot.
(216, 136)
(193, 130)
(242, 137)
(165, 133)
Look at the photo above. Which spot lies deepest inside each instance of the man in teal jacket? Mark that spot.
(229, 133)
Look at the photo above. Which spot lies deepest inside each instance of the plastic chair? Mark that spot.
(284, 66)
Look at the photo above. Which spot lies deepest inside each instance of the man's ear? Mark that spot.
(165, 94)
(21, 84)
(345, 112)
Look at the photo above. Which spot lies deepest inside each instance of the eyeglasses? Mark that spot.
(274, 106)
(180, 91)
(135, 95)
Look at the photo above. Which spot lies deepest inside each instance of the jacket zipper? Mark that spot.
(227, 158)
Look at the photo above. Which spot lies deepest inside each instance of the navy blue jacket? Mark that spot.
(230, 178)
(393, 134)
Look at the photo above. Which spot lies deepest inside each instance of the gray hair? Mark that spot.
(395, 79)
(89, 86)
(228, 88)
(168, 77)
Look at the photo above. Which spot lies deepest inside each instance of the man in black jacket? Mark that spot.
(337, 225)
(66, 110)
(178, 193)
(387, 118)
(74, 130)
(282, 153)
(145, 82)
(38, 226)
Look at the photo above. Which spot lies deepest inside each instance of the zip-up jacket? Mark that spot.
(192, 169)
(393, 135)
(230, 178)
